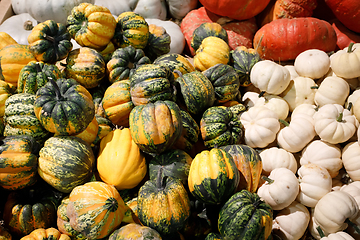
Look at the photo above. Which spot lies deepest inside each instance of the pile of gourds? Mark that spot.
(222, 126)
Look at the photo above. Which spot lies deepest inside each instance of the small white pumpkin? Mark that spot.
(315, 181)
(341, 235)
(313, 227)
(249, 98)
(305, 108)
(300, 90)
(352, 99)
(276, 157)
(356, 108)
(296, 134)
(312, 63)
(353, 189)
(346, 63)
(332, 90)
(280, 188)
(178, 9)
(334, 123)
(293, 73)
(270, 77)
(19, 27)
(333, 209)
(351, 160)
(261, 126)
(323, 154)
(275, 103)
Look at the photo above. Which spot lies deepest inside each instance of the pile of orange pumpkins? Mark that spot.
(220, 119)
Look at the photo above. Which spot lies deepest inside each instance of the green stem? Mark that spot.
(350, 47)
(340, 117)
(353, 225)
(269, 180)
(261, 94)
(284, 122)
(314, 87)
(320, 231)
(349, 106)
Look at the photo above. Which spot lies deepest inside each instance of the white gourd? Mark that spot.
(332, 89)
(312, 63)
(275, 103)
(275, 157)
(351, 160)
(19, 27)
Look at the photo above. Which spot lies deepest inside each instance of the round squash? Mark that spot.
(158, 43)
(135, 231)
(205, 30)
(175, 61)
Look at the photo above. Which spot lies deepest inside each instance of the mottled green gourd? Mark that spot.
(206, 30)
(175, 61)
(158, 42)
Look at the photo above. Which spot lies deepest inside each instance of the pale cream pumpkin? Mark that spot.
(351, 100)
(323, 154)
(293, 73)
(315, 181)
(351, 160)
(353, 189)
(19, 27)
(346, 63)
(275, 103)
(275, 157)
(249, 98)
(312, 63)
(280, 189)
(341, 235)
(333, 90)
(305, 108)
(356, 109)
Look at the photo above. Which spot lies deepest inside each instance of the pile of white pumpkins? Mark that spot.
(305, 125)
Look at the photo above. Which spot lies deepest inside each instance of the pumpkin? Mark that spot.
(64, 106)
(216, 182)
(18, 160)
(13, 58)
(91, 25)
(120, 161)
(90, 133)
(347, 59)
(135, 231)
(96, 209)
(66, 162)
(240, 33)
(170, 200)
(347, 12)
(86, 65)
(220, 127)
(242, 59)
(245, 215)
(179, 10)
(158, 43)
(124, 61)
(49, 233)
(275, 157)
(20, 117)
(105, 127)
(212, 51)
(274, 103)
(248, 162)
(326, 93)
(6, 90)
(131, 29)
(344, 35)
(6, 40)
(280, 180)
(50, 41)
(312, 63)
(175, 61)
(35, 75)
(225, 81)
(19, 27)
(196, 92)
(349, 156)
(151, 83)
(145, 122)
(305, 108)
(205, 30)
(280, 40)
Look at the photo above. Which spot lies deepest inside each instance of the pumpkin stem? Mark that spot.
(350, 47)
(353, 225)
(28, 25)
(349, 106)
(320, 231)
(284, 122)
(57, 89)
(160, 180)
(111, 204)
(340, 117)
(258, 44)
(261, 94)
(38, 67)
(314, 87)
(224, 20)
(269, 180)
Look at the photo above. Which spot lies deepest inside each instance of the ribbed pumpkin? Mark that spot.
(174, 163)
(13, 58)
(117, 103)
(219, 126)
(35, 75)
(124, 61)
(158, 43)
(50, 41)
(248, 162)
(30, 208)
(163, 204)
(213, 176)
(120, 161)
(96, 209)
(196, 92)
(205, 30)
(6, 90)
(66, 162)
(91, 25)
(245, 216)
(20, 118)
(48, 233)
(135, 231)
(150, 83)
(131, 29)
(225, 81)
(175, 61)
(64, 107)
(6, 40)
(86, 66)
(18, 161)
(90, 133)
(242, 59)
(155, 127)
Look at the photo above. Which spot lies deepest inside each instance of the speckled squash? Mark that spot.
(150, 83)
(219, 126)
(96, 209)
(50, 41)
(225, 81)
(175, 61)
(245, 216)
(249, 163)
(18, 161)
(163, 204)
(242, 59)
(66, 162)
(144, 122)
(13, 58)
(124, 61)
(35, 75)
(6, 90)
(213, 176)
(213, 236)
(135, 231)
(205, 30)
(64, 107)
(90, 133)
(20, 118)
(86, 65)
(131, 29)
(117, 103)
(6, 40)
(48, 233)
(158, 42)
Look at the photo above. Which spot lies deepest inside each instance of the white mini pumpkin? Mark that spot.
(333, 90)
(293, 73)
(19, 27)
(275, 157)
(305, 108)
(351, 160)
(346, 63)
(312, 63)
(275, 103)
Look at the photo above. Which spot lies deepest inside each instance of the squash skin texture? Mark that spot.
(135, 231)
